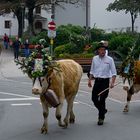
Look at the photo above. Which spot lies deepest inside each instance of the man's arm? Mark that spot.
(91, 77)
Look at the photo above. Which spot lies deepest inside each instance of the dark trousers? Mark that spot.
(16, 53)
(99, 101)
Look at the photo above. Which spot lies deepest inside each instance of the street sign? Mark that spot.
(51, 33)
(51, 26)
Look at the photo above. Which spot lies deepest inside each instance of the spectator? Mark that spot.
(16, 46)
(5, 41)
(26, 48)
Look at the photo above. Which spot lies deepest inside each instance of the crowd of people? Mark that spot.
(16, 44)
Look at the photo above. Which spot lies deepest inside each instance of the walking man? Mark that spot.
(103, 71)
(16, 46)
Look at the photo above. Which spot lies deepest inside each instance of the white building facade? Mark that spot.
(95, 14)
(71, 14)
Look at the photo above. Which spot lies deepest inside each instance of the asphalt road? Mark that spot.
(21, 115)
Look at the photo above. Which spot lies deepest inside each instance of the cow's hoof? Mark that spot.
(62, 125)
(125, 110)
(72, 120)
(66, 123)
(44, 130)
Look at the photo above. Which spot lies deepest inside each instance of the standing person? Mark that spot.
(26, 48)
(16, 46)
(5, 41)
(103, 71)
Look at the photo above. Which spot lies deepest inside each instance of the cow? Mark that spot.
(132, 83)
(65, 84)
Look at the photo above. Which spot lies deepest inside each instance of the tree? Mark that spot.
(8, 6)
(129, 6)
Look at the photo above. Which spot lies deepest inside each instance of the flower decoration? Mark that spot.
(38, 63)
(127, 68)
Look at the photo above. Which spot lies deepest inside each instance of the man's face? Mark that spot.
(102, 51)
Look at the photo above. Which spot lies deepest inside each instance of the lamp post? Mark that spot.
(88, 34)
(22, 3)
(87, 14)
(53, 10)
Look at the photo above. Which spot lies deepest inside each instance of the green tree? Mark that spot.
(8, 6)
(129, 6)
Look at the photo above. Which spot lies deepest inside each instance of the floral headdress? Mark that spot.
(38, 63)
(127, 68)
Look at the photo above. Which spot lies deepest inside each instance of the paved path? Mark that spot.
(8, 67)
(9, 70)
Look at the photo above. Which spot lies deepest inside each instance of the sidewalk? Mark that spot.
(8, 67)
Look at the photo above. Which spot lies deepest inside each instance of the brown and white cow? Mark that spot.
(132, 85)
(65, 84)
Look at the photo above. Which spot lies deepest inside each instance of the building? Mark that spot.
(70, 14)
(92, 13)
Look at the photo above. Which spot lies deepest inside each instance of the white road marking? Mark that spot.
(111, 99)
(83, 103)
(13, 94)
(19, 99)
(114, 100)
(26, 98)
(24, 104)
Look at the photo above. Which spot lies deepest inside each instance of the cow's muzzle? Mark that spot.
(36, 91)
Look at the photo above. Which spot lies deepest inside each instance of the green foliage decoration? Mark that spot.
(127, 67)
(27, 65)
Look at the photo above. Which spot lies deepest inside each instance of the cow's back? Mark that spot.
(72, 73)
(67, 79)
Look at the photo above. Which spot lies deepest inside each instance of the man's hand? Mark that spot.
(111, 85)
(89, 83)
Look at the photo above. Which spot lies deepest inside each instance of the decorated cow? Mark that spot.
(130, 71)
(53, 81)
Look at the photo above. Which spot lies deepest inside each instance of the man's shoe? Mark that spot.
(100, 122)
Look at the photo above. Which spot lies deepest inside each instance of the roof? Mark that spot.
(38, 17)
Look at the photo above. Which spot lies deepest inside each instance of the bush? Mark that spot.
(121, 43)
(82, 55)
(59, 50)
(42, 35)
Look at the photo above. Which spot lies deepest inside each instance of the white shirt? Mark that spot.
(103, 67)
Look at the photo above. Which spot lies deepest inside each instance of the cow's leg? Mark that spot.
(130, 92)
(58, 114)
(72, 116)
(69, 115)
(44, 128)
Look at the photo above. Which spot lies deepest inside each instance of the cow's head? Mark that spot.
(39, 67)
(40, 85)
(42, 82)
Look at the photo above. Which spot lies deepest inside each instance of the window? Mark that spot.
(7, 24)
(38, 25)
(38, 10)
